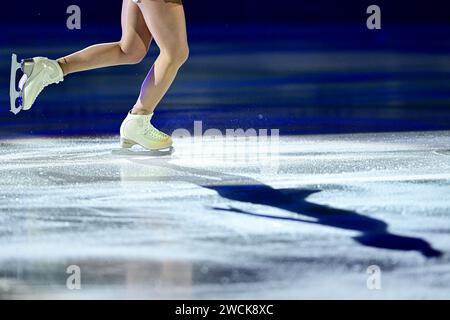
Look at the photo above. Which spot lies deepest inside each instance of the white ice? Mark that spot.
(274, 219)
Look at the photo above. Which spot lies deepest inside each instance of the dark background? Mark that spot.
(301, 66)
(232, 11)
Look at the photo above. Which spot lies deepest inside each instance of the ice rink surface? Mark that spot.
(295, 217)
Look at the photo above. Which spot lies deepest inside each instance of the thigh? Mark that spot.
(166, 21)
(135, 32)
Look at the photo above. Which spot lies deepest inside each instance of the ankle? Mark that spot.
(140, 112)
(63, 64)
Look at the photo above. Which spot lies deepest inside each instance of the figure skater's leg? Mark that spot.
(166, 22)
(131, 49)
(40, 72)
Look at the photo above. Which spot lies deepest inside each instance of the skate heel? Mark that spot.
(126, 144)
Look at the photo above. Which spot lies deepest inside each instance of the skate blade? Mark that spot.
(143, 152)
(15, 95)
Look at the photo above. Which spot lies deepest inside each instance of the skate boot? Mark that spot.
(137, 130)
(38, 73)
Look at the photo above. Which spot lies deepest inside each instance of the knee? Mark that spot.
(132, 54)
(177, 55)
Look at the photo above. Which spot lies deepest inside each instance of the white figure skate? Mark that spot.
(38, 73)
(137, 130)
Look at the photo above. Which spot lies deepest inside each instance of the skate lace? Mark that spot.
(151, 131)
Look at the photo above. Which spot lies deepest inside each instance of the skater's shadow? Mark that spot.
(373, 232)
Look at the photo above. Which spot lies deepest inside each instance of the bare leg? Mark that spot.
(131, 49)
(166, 22)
